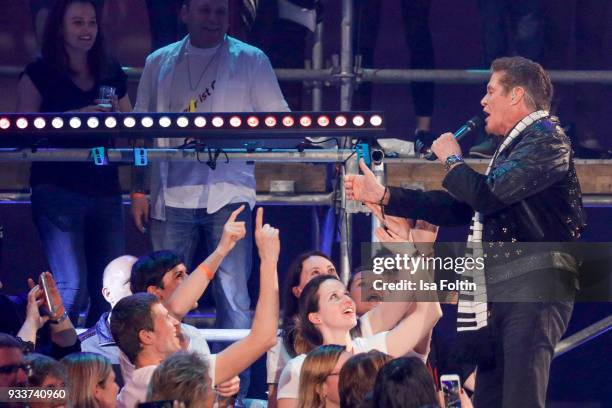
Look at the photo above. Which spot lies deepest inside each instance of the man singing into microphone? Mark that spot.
(529, 193)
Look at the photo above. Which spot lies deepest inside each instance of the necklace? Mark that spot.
(193, 88)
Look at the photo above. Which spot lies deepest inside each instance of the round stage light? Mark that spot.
(5, 123)
(305, 121)
(165, 122)
(235, 121)
(270, 121)
(147, 121)
(74, 123)
(200, 121)
(93, 122)
(182, 121)
(217, 121)
(129, 122)
(288, 121)
(358, 120)
(39, 123)
(57, 123)
(340, 120)
(22, 123)
(323, 121)
(252, 121)
(376, 120)
(110, 122)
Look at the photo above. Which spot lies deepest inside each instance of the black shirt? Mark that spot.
(60, 94)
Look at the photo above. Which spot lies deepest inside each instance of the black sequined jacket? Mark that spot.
(531, 194)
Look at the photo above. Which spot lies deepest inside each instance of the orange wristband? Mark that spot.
(207, 271)
(138, 195)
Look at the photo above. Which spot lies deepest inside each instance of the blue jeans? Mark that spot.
(80, 235)
(185, 227)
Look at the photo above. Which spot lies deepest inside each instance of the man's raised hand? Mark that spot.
(364, 187)
(233, 231)
(266, 238)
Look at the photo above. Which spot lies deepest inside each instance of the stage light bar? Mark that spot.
(219, 126)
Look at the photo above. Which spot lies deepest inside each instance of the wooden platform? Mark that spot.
(595, 175)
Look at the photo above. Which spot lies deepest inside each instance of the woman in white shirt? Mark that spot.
(327, 315)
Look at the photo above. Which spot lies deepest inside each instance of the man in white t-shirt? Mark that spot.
(207, 71)
(146, 333)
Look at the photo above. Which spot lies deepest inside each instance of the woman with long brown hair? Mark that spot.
(76, 207)
(327, 315)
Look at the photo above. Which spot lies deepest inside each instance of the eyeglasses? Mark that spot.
(13, 368)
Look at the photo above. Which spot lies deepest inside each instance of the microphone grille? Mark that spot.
(475, 122)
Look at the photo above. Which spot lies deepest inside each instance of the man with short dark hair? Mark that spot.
(529, 193)
(146, 333)
(13, 367)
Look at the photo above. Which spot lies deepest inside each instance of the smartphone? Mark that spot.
(451, 387)
(45, 288)
(363, 152)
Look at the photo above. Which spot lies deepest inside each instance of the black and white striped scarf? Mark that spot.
(472, 312)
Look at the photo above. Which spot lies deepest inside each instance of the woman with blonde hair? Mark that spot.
(91, 381)
(319, 377)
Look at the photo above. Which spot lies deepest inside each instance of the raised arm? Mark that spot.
(192, 288)
(240, 355)
(413, 332)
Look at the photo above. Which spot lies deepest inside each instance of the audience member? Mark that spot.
(319, 377)
(115, 286)
(182, 377)
(36, 325)
(357, 377)
(91, 381)
(164, 274)
(46, 373)
(326, 316)
(404, 383)
(207, 71)
(76, 207)
(14, 370)
(305, 267)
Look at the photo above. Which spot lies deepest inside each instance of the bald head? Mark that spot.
(116, 279)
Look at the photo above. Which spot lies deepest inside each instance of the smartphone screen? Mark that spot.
(451, 386)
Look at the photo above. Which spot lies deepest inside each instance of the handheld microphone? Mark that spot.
(469, 126)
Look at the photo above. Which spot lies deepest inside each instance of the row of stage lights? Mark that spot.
(270, 121)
